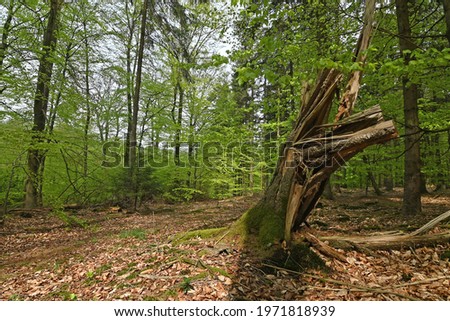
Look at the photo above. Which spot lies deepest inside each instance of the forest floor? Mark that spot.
(108, 254)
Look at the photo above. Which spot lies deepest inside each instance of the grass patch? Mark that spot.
(70, 220)
(170, 293)
(91, 275)
(64, 293)
(15, 297)
(139, 234)
(129, 271)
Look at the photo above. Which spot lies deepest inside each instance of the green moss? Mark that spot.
(203, 234)
(201, 275)
(219, 271)
(271, 230)
(266, 223)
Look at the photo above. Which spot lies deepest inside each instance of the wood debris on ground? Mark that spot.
(123, 256)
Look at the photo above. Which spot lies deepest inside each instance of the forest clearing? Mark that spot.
(182, 252)
(225, 150)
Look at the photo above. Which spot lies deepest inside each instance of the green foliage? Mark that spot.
(241, 94)
(186, 285)
(183, 194)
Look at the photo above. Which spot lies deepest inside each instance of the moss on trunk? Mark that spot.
(266, 220)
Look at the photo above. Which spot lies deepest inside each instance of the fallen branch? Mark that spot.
(161, 277)
(421, 282)
(392, 242)
(388, 242)
(324, 248)
(354, 286)
(431, 224)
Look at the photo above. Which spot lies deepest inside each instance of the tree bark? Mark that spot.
(179, 124)
(412, 178)
(137, 90)
(87, 123)
(446, 4)
(35, 153)
(371, 178)
(5, 33)
(130, 81)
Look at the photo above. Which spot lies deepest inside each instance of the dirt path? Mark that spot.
(152, 256)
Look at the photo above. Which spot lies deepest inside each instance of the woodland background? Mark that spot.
(134, 135)
(207, 74)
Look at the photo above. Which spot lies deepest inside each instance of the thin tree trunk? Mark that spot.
(137, 90)
(328, 191)
(87, 123)
(191, 152)
(6, 29)
(179, 124)
(130, 80)
(33, 182)
(371, 177)
(412, 178)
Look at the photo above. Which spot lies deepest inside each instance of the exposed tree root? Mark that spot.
(323, 248)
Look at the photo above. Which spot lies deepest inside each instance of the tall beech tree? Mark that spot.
(412, 176)
(33, 185)
(136, 95)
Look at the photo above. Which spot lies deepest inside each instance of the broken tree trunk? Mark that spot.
(306, 165)
(316, 149)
